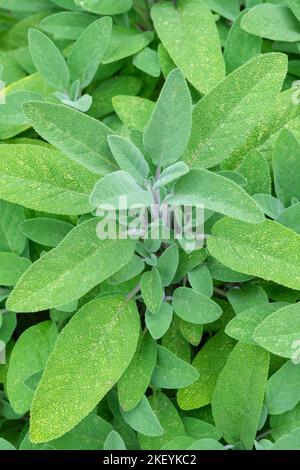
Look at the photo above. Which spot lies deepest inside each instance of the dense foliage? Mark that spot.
(150, 342)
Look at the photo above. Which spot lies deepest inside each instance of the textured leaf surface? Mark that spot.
(216, 193)
(11, 239)
(44, 180)
(282, 393)
(28, 357)
(171, 371)
(223, 119)
(89, 434)
(274, 22)
(168, 131)
(209, 362)
(12, 267)
(260, 250)
(134, 382)
(88, 51)
(189, 33)
(194, 307)
(279, 332)
(239, 393)
(169, 419)
(70, 270)
(80, 137)
(103, 332)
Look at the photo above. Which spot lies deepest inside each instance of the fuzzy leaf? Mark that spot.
(80, 137)
(223, 119)
(67, 272)
(88, 51)
(44, 180)
(260, 250)
(103, 332)
(238, 397)
(168, 131)
(216, 193)
(189, 32)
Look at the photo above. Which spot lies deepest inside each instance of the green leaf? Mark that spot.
(285, 157)
(189, 32)
(242, 327)
(11, 238)
(216, 193)
(67, 272)
(171, 174)
(108, 190)
(89, 434)
(147, 60)
(62, 401)
(25, 5)
(167, 133)
(8, 326)
(194, 307)
(48, 60)
(171, 371)
(48, 232)
(271, 206)
(240, 46)
(129, 157)
(12, 267)
(244, 297)
(228, 8)
(262, 250)
(169, 420)
(142, 419)
(66, 24)
(201, 281)
(249, 91)
(80, 137)
(44, 180)
(191, 332)
(167, 265)
(285, 423)
(28, 357)
(130, 271)
(238, 397)
(106, 92)
(256, 170)
(134, 382)
(199, 429)
(88, 51)
(105, 7)
(282, 393)
(209, 362)
(290, 217)
(126, 42)
(275, 22)
(152, 290)
(295, 7)
(288, 442)
(134, 111)
(159, 323)
(279, 332)
(6, 445)
(114, 442)
(12, 110)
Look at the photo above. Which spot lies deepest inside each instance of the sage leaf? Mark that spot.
(116, 323)
(42, 287)
(240, 386)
